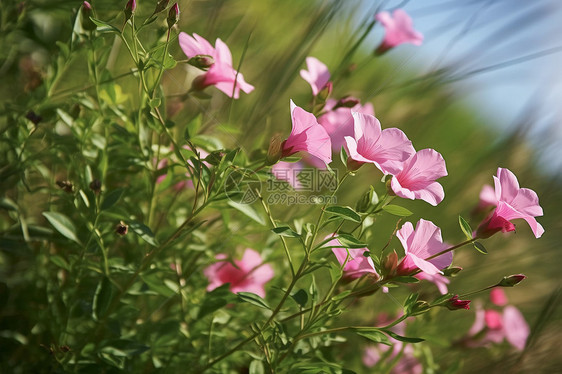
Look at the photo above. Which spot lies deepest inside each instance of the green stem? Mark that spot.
(451, 249)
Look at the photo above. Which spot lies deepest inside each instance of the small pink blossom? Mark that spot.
(387, 149)
(455, 303)
(249, 275)
(317, 74)
(421, 243)
(357, 264)
(497, 296)
(417, 179)
(307, 135)
(512, 203)
(221, 74)
(288, 172)
(399, 29)
(338, 121)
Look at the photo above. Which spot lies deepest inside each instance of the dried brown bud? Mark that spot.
(95, 186)
(122, 228)
(66, 186)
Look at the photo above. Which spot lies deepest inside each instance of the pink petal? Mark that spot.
(515, 327)
(424, 266)
(223, 53)
(317, 75)
(509, 185)
(498, 297)
(493, 319)
(487, 196)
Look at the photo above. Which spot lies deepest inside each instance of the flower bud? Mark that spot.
(122, 228)
(85, 13)
(389, 264)
(66, 186)
(454, 303)
(353, 165)
(452, 271)
(160, 6)
(95, 186)
(275, 150)
(325, 92)
(33, 117)
(511, 280)
(199, 83)
(346, 102)
(493, 224)
(202, 62)
(173, 15)
(130, 9)
(419, 307)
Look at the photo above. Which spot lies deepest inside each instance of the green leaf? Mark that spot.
(216, 299)
(403, 338)
(396, 210)
(252, 298)
(104, 26)
(102, 298)
(300, 297)
(405, 279)
(341, 295)
(60, 262)
(144, 232)
(285, 231)
(344, 212)
(157, 285)
(249, 211)
(480, 248)
(256, 367)
(348, 241)
(158, 54)
(465, 227)
(373, 334)
(62, 224)
(410, 302)
(111, 198)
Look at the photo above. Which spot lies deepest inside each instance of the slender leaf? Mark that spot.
(111, 198)
(285, 231)
(252, 298)
(403, 338)
(344, 212)
(480, 247)
(348, 241)
(396, 210)
(373, 334)
(465, 227)
(62, 224)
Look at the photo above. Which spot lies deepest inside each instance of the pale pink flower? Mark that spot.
(288, 172)
(249, 275)
(420, 244)
(487, 197)
(417, 178)
(515, 327)
(338, 121)
(357, 264)
(512, 203)
(399, 29)
(498, 297)
(439, 280)
(221, 74)
(387, 149)
(307, 135)
(317, 74)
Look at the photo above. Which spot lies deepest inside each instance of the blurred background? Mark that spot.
(484, 90)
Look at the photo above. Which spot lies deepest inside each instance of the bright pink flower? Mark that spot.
(387, 149)
(249, 275)
(357, 264)
(338, 121)
(288, 172)
(317, 74)
(455, 303)
(512, 203)
(399, 29)
(221, 74)
(421, 243)
(493, 319)
(497, 296)
(439, 280)
(307, 135)
(417, 178)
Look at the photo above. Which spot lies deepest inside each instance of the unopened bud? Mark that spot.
(95, 186)
(452, 271)
(33, 117)
(275, 151)
(346, 102)
(85, 13)
(122, 228)
(199, 83)
(454, 303)
(66, 186)
(419, 307)
(173, 15)
(390, 263)
(353, 165)
(130, 9)
(160, 6)
(511, 280)
(325, 92)
(214, 158)
(202, 62)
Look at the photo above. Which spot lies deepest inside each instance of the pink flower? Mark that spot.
(497, 296)
(317, 74)
(249, 275)
(307, 135)
(338, 121)
(455, 303)
(421, 243)
(288, 172)
(439, 280)
(399, 29)
(515, 327)
(417, 178)
(357, 264)
(221, 74)
(512, 203)
(387, 149)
